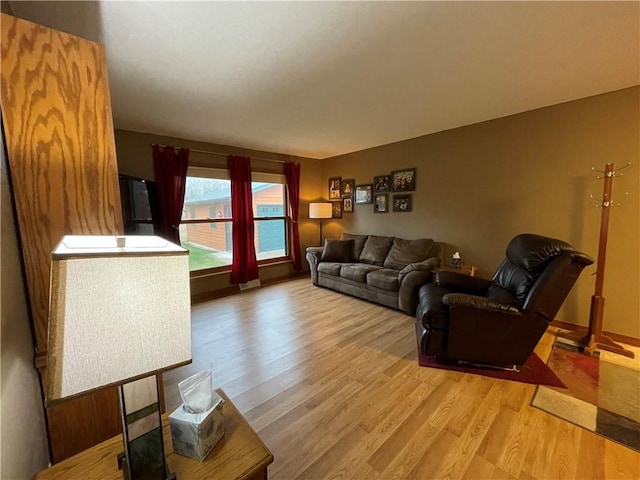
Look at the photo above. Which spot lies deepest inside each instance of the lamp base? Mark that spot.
(143, 457)
(122, 465)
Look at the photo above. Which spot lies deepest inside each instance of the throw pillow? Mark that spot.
(337, 251)
(375, 249)
(358, 243)
(403, 252)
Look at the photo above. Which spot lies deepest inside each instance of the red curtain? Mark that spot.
(245, 265)
(292, 174)
(170, 169)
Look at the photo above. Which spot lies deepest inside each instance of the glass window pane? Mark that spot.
(208, 247)
(206, 198)
(268, 199)
(270, 239)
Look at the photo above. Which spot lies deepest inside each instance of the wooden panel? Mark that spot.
(56, 113)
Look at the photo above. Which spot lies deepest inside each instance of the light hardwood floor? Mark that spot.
(332, 385)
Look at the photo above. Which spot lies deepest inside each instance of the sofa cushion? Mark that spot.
(358, 243)
(375, 249)
(357, 271)
(330, 268)
(385, 278)
(337, 251)
(403, 252)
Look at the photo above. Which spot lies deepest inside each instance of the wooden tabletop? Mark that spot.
(240, 454)
(464, 269)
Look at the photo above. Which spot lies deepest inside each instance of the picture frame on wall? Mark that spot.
(335, 188)
(347, 205)
(364, 194)
(403, 180)
(348, 187)
(402, 203)
(336, 209)
(381, 202)
(381, 183)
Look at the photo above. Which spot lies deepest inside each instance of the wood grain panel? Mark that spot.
(56, 112)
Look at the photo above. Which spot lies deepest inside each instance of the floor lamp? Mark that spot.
(120, 313)
(320, 211)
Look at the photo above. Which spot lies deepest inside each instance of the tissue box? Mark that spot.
(195, 434)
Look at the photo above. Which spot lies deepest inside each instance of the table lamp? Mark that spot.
(120, 313)
(320, 210)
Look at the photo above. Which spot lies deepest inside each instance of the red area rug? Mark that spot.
(534, 371)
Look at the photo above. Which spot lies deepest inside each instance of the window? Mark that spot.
(206, 229)
(212, 214)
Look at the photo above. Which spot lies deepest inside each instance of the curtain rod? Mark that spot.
(220, 153)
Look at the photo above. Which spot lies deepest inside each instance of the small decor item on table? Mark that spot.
(335, 188)
(197, 425)
(456, 260)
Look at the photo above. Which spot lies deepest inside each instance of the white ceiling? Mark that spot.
(319, 79)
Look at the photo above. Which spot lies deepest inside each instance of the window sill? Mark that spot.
(227, 268)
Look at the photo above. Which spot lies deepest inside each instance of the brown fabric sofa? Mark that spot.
(385, 270)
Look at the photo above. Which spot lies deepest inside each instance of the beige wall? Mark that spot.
(23, 439)
(134, 158)
(479, 185)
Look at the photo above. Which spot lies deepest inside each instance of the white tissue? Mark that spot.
(197, 392)
(456, 255)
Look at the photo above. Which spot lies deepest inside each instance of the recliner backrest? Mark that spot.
(538, 272)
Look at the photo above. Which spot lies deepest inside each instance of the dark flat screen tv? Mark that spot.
(139, 199)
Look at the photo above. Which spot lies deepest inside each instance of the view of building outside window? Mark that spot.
(210, 244)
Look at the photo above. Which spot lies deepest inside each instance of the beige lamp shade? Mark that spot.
(320, 210)
(117, 313)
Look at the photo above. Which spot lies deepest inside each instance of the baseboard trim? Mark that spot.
(234, 290)
(616, 337)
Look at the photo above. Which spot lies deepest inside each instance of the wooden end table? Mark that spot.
(464, 269)
(240, 454)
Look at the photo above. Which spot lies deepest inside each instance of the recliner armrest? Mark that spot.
(459, 282)
(483, 303)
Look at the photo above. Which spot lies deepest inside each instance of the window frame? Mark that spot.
(217, 173)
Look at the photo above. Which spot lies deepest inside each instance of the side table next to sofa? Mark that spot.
(465, 269)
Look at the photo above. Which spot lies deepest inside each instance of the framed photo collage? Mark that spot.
(345, 194)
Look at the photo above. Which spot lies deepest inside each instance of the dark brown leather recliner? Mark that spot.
(498, 321)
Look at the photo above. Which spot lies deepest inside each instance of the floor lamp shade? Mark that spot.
(119, 311)
(320, 210)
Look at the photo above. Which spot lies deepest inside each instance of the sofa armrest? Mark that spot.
(313, 257)
(317, 251)
(425, 266)
(461, 283)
